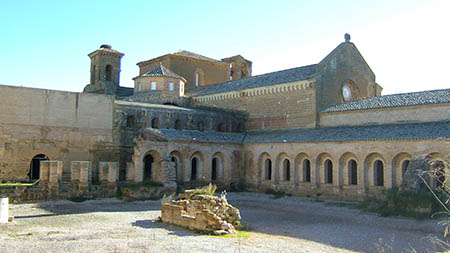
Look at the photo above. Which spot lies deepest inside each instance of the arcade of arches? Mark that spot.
(350, 173)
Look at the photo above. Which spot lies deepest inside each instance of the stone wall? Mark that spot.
(289, 105)
(212, 72)
(63, 126)
(419, 113)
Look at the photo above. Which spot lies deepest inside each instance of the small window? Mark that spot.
(201, 126)
(197, 77)
(328, 171)
(155, 123)
(181, 88)
(108, 73)
(170, 86)
(268, 169)
(130, 121)
(378, 173)
(306, 170)
(153, 87)
(178, 124)
(287, 170)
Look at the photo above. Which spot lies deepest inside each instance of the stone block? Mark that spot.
(108, 172)
(81, 171)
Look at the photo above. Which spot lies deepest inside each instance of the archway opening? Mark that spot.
(214, 168)
(352, 172)
(35, 166)
(379, 173)
(405, 165)
(155, 123)
(268, 169)
(178, 124)
(328, 171)
(306, 170)
(174, 159)
(148, 164)
(108, 72)
(194, 167)
(287, 170)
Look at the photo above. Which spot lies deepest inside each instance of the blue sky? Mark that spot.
(45, 43)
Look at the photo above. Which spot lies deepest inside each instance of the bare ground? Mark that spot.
(288, 224)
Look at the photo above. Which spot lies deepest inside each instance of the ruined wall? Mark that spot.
(290, 105)
(419, 113)
(64, 126)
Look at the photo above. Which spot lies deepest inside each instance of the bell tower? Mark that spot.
(105, 70)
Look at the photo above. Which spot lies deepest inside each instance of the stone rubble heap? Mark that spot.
(201, 213)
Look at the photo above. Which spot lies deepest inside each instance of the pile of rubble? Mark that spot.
(202, 213)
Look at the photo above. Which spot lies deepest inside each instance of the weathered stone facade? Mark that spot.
(319, 129)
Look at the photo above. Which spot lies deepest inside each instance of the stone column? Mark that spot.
(170, 175)
(81, 175)
(108, 172)
(51, 175)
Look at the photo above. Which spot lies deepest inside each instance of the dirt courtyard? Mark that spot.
(289, 224)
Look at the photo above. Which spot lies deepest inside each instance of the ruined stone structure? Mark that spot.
(322, 128)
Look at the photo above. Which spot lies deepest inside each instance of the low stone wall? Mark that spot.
(201, 212)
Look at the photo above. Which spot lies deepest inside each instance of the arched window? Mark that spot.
(148, 164)
(108, 72)
(306, 170)
(328, 171)
(287, 170)
(178, 124)
(214, 165)
(130, 121)
(405, 165)
(201, 126)
(268, 169)
(198, 78)
(221, 127)
(155, 123)
(35, 166)
(194, 167)
(174, 159)
(352, 172)
(378, 169)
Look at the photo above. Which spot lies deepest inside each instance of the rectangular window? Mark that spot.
(196, 79)
(153, 86)
(181, 88)
(170, 86)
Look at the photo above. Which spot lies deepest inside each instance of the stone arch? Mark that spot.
(196, 166)
(321, 172)
(266, 167)
(35, 166)
(348, 169)
(281, 173)
(178, 125)
(398, 167)
(155, 122)
(217, 166)
(302, 168)
(177, 158)
(370, 171)
(151, 166)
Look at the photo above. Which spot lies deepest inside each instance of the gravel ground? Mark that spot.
(288, 224)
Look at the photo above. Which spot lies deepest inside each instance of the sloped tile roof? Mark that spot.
(283, 76)
(193, 55)
(160, 70)
(395, 100)
(406, 131)
(195, 135)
